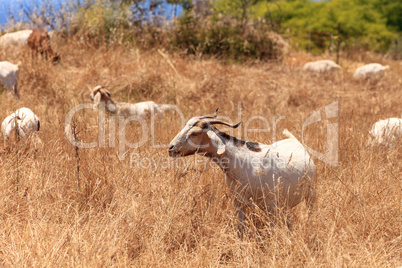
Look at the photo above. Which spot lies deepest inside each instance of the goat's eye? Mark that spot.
(196, 132)
(191, 134)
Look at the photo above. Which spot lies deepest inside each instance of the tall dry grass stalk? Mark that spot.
(178, 213)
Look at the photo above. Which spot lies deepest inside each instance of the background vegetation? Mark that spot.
(240, 29)
(371, 24)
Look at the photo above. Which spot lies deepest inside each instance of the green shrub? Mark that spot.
(101, 23)
(395, 50)
(223, 38)
(367, 24)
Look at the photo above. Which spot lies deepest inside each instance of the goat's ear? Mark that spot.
(217, 142)
(97, 99)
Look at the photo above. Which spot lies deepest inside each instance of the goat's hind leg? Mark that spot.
(310, 199)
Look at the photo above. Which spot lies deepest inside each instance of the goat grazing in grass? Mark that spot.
(272, 176)
(321, 66)
(9, 76)
(39, 42)
(143, 109)
(386, 132)
(370, 70)
(22, 124)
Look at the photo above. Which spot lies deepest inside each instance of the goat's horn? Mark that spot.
(100, 87)
(212, 116)
(219, 122)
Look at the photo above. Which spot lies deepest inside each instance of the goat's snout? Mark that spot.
(172, 151)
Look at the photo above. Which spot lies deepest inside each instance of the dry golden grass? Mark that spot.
(179, 213)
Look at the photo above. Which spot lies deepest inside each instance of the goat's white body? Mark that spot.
(274, 176)
(280, 174)
(321, 66)
(386, 131)
(369, 70)
(24, 120)
(142, 109)
(9, 76)
(19, 38)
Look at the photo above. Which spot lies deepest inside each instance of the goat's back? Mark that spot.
(386, 131)
(15, 39)
(281, 170)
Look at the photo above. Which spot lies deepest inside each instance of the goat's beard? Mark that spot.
(174, 154)
(180, 154)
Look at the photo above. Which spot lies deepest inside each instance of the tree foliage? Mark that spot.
(233, 28)
(371, 24)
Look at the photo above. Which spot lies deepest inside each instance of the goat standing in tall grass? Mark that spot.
(9, 76)
(272, 176)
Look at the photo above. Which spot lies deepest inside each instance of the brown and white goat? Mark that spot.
(274, 176)
(100, 95)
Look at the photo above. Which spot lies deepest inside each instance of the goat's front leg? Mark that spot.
(16, 94)
(241, 215)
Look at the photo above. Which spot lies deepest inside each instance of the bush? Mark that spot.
(101, 23)
(395, 50)
(224, 38)
(368, 24)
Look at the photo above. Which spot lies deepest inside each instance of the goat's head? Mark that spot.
(199, 136)
(100, 95)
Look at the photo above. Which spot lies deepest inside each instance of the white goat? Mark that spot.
(321, 66)
(22, 123)
(143, 109)
(370, 70)
(19, 38)
(278, 175)
(386, 132)
(9, 76)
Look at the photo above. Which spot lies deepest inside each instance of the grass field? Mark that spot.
(91, 207)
